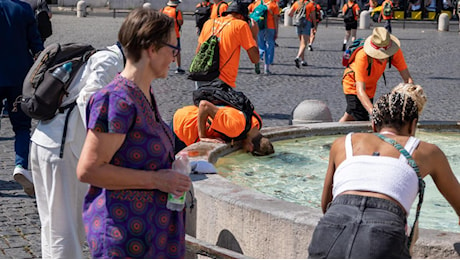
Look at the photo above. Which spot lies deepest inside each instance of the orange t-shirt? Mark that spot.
(235, 34)
(310, 7)
(222, 6)
(273, 10)
(355, 8)
(171, 12)
(228, 121)
(359, 66)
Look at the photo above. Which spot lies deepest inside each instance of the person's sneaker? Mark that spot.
(310, 48)
(257, 68)
(179, 71)
(344, 47)
(304, 63)
(24, 177)
(267, 73)
(297, 62)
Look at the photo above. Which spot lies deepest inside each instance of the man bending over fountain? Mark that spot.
(210, 123)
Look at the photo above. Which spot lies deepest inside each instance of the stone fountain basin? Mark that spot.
(259, 226)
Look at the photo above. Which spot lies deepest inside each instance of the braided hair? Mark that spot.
(394, 110)
(415, 92)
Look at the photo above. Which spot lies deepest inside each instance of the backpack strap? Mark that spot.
(64, 132)
(122, 53)
(421, 183)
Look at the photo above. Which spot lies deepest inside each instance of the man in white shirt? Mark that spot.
(58, 192)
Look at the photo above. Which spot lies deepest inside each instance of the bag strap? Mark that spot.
(421, 183)
(64, 132)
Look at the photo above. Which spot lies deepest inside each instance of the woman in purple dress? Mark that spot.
(128, 152)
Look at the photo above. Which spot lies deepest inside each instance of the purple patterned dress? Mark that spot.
(132, 223)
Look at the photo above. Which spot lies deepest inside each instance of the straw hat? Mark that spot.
(381, 44)
(173, 3)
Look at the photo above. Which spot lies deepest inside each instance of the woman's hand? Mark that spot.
(171, 181)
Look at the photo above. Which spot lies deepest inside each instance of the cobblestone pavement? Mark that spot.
(432, 57)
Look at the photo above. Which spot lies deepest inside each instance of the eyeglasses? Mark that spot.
(176, 49)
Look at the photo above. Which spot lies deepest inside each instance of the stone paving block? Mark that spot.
(8, 231)
(3, 243)
(17, 241)
(18, 253)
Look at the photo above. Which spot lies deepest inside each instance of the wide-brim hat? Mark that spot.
(238, 8)
(173, 3)
(381, 44)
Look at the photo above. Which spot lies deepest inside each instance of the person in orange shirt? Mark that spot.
(314, 31)
(218, 124)
(304, 29)
(172, 11)
(361, 76)
(199, 24)
(234, 32)
(387, 18)
(266, 36)
(218, 9)
(350, 26)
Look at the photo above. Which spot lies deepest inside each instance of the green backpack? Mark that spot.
(387, 9)
(205, 64)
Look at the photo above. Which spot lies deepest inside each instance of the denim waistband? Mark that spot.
(369, 202)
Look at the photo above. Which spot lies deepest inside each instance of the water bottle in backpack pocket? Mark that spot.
(47, 81)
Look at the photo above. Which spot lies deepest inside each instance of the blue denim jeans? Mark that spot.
(266, 43)
(360, 227)
(21, 125)
(305, 29)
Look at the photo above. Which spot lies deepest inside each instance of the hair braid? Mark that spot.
(394, 110)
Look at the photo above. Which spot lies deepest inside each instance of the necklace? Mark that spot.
(387, 133)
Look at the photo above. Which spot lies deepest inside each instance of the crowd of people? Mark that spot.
(110, 185)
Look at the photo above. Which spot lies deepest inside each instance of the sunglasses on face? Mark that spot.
(176, 49)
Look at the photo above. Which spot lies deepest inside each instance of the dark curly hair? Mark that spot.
(394, 110)
(142, 28)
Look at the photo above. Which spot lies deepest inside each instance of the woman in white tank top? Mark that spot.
(369, 189)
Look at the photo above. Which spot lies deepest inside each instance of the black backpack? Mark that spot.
(43, 22)
(42, 93)
(349, 16)
(202, 14)
(220, 93)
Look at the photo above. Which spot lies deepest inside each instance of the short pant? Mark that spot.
(353, 25)
(305, 30)
(360, 227)
(356, 109)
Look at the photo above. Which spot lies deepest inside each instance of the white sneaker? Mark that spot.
(24, 177)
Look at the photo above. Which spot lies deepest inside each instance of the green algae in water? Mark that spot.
(295, 173)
